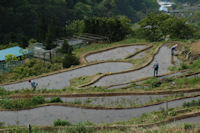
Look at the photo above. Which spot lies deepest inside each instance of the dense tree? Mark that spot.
(114, 28)
(66, 48)
(30, 18)
(156, 27)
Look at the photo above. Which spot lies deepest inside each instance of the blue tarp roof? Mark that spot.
(17, 51)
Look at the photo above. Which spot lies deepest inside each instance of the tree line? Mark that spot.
(25, 19)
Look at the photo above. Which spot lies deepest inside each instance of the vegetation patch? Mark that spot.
(30, 68)
(83, 80)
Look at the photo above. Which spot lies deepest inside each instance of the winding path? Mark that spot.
(61, 80)
(46, 115)
(114, 54)
(163, 58)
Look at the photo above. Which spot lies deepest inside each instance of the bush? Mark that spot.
(4, 92)
(66, 48)
(183, 66)
(188, 126)
(32, 68)
(70, 60)
(37, 100)
(61, 123)
(56, 100)
(21, 103)
(115, 29)
(173, 114)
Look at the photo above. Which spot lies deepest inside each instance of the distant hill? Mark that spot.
(20, 18)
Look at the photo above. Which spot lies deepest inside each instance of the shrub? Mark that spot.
(56, 100)
(183, 66)
(173, 114)
(59, 122)
(4, 92)
(70, 60)
(37, 100)
(188, 126)
(66, 48)
(21, 103)
(32, 68)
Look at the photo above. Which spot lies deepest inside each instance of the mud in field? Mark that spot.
(163, 58)
(44, 116)
(114, 54)
(61, 80)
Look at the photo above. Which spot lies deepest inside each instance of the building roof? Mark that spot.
(17, 51)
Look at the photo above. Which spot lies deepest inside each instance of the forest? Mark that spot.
(22, 20)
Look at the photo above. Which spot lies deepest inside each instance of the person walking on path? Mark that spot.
(33, 84)
(155, 67)
(173, 48)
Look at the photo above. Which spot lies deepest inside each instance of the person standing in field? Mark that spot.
(155, 67)
(173, 48)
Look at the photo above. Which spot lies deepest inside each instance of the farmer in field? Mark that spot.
(173, 48)
(155, 67)
(33, 84)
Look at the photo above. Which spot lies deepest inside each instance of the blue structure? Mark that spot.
(17, 51)
(163, 8)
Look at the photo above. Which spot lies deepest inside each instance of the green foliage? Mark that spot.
(156, 27)
(4, 92)
(66, 48)
(70, 60)
(37, 100)
(75, 27)
(29, 68)
(183, 66)
(33, 68)
(188, 126)
(114, 28)
(195, 66)
(173, 113)
(10, 58)
(21, 103)
(79, 128)
(192, 103)
(24, 19)
(61, 123)
(56, 100)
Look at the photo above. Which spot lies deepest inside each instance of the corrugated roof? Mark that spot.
(17, 51)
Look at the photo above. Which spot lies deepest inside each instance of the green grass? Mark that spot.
(21, 103)
(83, 80)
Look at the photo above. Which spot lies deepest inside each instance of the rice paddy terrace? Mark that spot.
(116, 68)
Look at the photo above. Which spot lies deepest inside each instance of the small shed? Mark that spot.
(17, 51)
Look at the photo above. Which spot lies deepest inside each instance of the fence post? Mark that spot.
(29, 128)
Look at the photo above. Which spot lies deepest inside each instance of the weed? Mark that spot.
(59, 122)
(56, 100)
(79, 128)
(188, 126)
